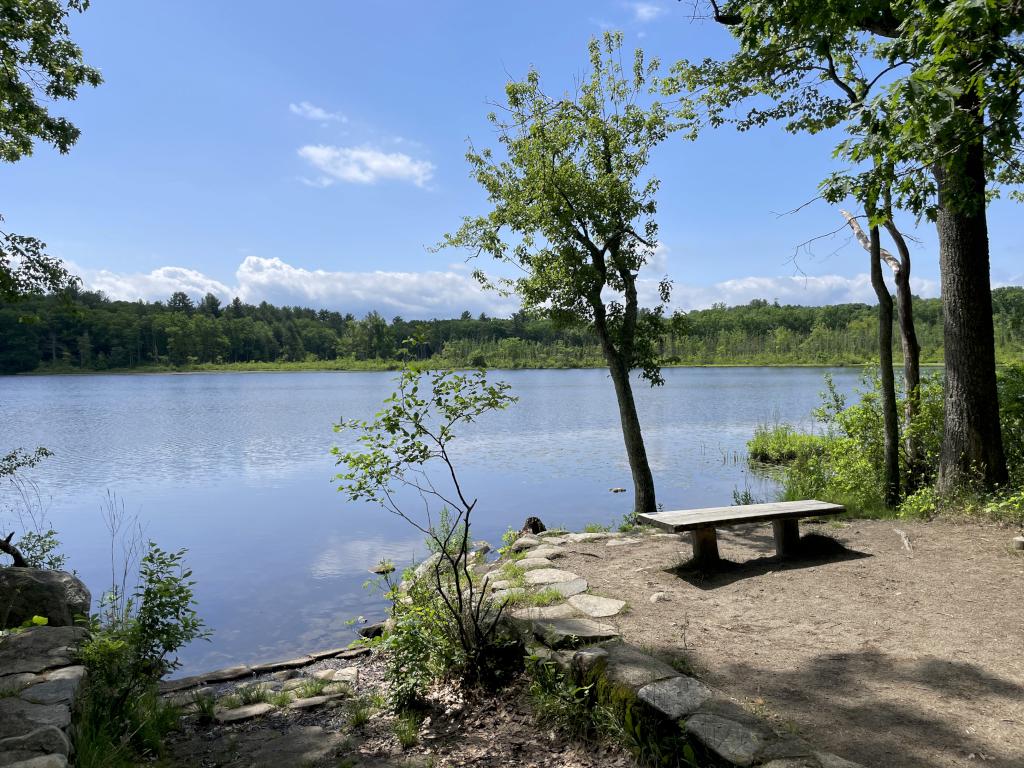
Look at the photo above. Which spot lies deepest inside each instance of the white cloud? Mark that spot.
(313, 112)
(364, 165)
(158, 284)
(644, 12)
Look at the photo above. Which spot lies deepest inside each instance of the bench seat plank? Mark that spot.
(690, 519)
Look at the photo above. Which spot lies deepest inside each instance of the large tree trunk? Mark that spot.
(643, 480)
(889, 412)
(972, 445)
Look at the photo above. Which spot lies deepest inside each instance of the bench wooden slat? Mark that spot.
(689, 519)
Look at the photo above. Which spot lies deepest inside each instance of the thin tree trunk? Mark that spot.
(885, 369)
(643, 480)
(911, 358)
(972, 445)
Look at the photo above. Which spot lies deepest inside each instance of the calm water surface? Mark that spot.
(236, 467)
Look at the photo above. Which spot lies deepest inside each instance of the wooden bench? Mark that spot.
(783, 516)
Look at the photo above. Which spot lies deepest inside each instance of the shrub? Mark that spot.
(444, 627)
(780, 444)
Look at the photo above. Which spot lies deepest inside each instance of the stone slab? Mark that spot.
(631, 667)
(622, 542)
(18, 717)
(738, 742)
(569, 588)
(508, 594)
(595, 606)
(227, 674)
(544, 576)
(549, 552)
(525, 542)
(274, 666)
(315, 701)
(675, 697)
(560, 611)
(48, 740)
(239, 714)
(572, 633)
(42, 761)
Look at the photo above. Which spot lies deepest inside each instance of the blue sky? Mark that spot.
(307, 153)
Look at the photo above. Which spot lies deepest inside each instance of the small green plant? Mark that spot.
(205, 707)
(359, 710)
(253, 694)
(280, 699)
(744, 497)
(596, 528)
(407, 728)
(547, 596)
(231, 701)
(311, 687)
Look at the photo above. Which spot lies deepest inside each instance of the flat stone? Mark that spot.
(571, 633)
(348, 675)
(243, 713)
(530, 563)
(674, 536)
(595, 606)
(500, 585)
(14, 683)
(180, 684)
(675, 697)
(622, 542)
(60, 687)
(227, 673)
(39, 648)
(739, 743)
(559, 539)
(329, 653)
(48, 740)
(274, 666)
(354, 653)
(315, 701)
(1018, 542)
(549, 576)
(284, 674)
(18, 717)
(560, 611)
(576, 538)
(569, 588)
(631, 667)
(548, 552)
(525, 542)
(293, 684)
(660, 597)
(42, 761)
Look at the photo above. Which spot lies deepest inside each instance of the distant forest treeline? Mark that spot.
(91, 333)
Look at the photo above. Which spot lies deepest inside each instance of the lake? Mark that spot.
(236, 467)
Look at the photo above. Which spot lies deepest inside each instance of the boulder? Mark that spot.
(57, 595)
(676, 697)
(48, 740)
(595, 606)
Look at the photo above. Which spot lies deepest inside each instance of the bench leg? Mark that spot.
(787, 537)
(705, 547)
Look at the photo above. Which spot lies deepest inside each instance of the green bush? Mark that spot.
(1011, 412)
(132, 645)
(780, 444)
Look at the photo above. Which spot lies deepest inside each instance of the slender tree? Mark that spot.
(944, 80)
(573, 211)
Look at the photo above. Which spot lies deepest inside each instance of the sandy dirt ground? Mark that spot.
(888, 656)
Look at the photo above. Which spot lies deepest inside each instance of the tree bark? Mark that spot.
(889, 418)
(972, 445)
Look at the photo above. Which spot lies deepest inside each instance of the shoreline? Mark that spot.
(313, 368)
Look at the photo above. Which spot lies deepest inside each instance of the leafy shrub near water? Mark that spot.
(844, 463)
(132, 645)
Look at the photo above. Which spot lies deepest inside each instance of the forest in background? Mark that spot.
(88, 332)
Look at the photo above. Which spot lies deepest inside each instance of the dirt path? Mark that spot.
(890, 657)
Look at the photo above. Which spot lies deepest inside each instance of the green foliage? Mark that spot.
(780, 444)
(96, 334)
(132, 645)
(205, 707)
(843, 463)
(311, 687)
(42, 550)
(574, 195)
(17, 460)
(443, 625)
(253, 694)
(559, 702)
(359, 711)
(596, 528)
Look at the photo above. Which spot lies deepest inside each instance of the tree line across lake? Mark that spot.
(91, 333)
